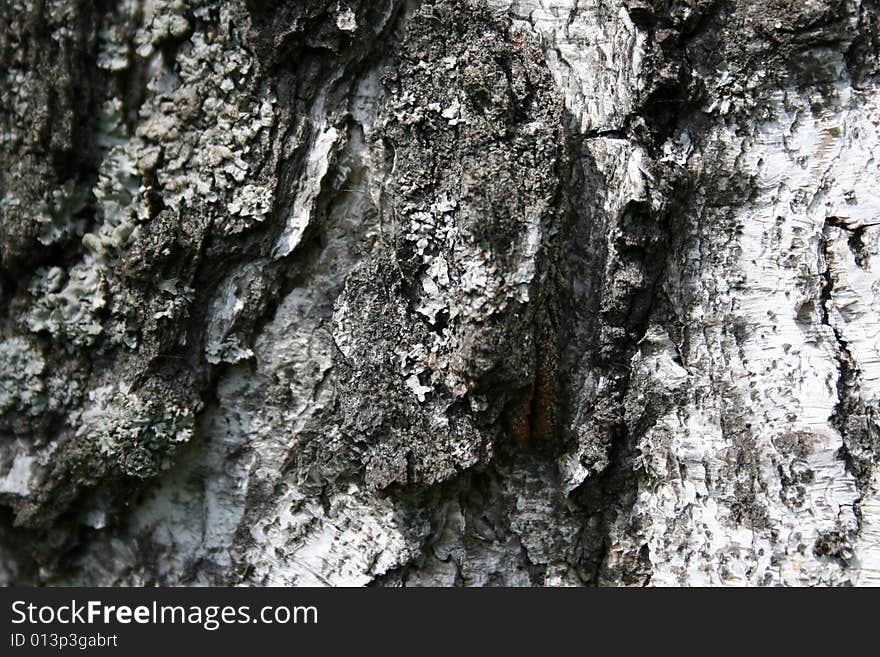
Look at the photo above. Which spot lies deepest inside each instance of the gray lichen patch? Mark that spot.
(138, 435)
(21, 378)
(177, 143)
(66, 304)
(202, 122)
(437, 329)
(165, 20)
(60, 215)
(47, 87)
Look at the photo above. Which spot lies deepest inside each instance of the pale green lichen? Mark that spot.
(21, 377)
(13, 99)
(204, 118)
(112, 49)
(253, 201)
(178, 298)
(166, 20)
(60, 16)
(59, 217)
(118, 193)
(137, 435)
(28, 385)
(229, 350)
(66, 303)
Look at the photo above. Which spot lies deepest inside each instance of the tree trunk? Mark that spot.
(450, 292)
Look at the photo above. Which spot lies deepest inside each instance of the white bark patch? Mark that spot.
(594, 52)
(748, 475)
(317, 166)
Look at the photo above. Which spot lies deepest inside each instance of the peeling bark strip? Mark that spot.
(450, 292)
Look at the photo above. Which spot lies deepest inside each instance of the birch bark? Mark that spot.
(450, 292)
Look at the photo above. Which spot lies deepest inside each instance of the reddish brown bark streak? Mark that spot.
(537, 415)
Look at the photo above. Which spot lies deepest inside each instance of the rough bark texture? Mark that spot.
(450, 292)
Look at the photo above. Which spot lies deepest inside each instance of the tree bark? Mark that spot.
(439, 292)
